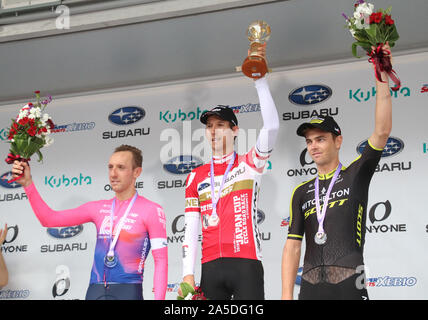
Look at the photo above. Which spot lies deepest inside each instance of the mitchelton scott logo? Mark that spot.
(64, 233)
(182, 164)
(5, 177)
(127, 115)
(310, 94)
(393, 146)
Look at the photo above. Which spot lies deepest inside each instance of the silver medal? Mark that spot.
(110, 261)
(213, 220)
(320, 238)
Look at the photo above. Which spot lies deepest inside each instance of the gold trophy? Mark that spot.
(255, 66)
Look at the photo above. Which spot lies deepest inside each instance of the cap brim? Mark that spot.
(305, 126)
(207, 114)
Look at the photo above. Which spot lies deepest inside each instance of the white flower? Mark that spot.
(48, 141)
(22, 114)
(189, 296)
(365, 8)
(36, 112)
(362, 13)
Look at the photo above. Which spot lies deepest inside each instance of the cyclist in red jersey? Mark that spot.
(231, 257)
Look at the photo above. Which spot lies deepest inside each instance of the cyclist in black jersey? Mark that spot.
(334, 228)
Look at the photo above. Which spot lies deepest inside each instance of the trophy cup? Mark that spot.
(255, 66)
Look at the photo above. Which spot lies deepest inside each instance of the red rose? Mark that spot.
(388, 20)
(37, 92)
(375, 17)
(23, 121)
(12, 133)
(32, 131)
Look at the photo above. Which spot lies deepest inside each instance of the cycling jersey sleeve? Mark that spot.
(191, 218)
(365, 164)
(157, 233)
(268, 134)
(296, 224)
(51, 218)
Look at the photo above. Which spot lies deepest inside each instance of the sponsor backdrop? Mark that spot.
(55, 263)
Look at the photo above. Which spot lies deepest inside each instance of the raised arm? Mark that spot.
(267, 137)
(383, 111)
(47, 216)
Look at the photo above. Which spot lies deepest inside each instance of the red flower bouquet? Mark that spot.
(190, 293)
(373, 30)
(30, 131)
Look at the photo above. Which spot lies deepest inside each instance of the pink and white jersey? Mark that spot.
(143, 229)
(237, 233)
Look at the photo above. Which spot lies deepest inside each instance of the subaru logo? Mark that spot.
(4, 178)
(260, 216)
(182, 164)
(127, 115)
(393, 146)
(310, 94)
(67, 232)
(202, 186)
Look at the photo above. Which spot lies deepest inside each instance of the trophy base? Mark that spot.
(254, 67)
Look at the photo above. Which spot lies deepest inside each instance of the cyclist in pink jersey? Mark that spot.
(223, 195)
(122, 247)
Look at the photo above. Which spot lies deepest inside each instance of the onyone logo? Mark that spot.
(310, 94)
(64, 233)
(5, 177)
(182, 164)
(393, 146)
(127, 115)
(380, 212)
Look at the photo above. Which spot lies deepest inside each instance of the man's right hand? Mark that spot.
(190, 279)
(20, 167)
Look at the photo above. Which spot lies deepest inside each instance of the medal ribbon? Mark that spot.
(321, 214)
(213, 198)
(121, 223)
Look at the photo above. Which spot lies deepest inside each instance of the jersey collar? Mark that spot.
(223, 159)
(330, 174)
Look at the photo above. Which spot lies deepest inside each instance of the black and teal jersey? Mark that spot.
(345, 217)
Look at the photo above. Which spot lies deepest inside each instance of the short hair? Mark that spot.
(137, 154)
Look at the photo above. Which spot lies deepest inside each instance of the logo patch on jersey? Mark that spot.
(203, 186)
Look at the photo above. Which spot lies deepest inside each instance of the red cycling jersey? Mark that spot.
(237, 233)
